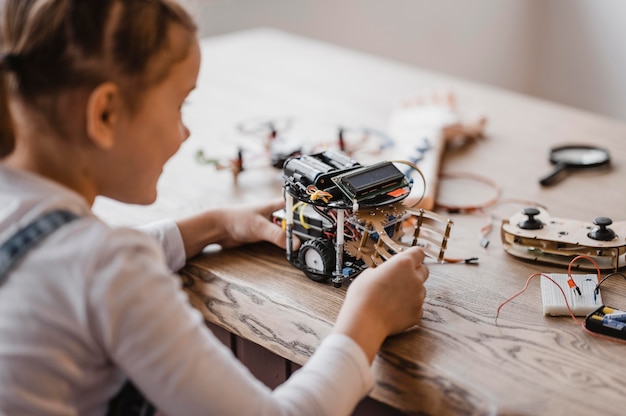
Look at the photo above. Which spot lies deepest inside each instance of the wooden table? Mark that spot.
(459, 361)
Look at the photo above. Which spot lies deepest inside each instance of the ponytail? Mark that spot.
(7, 138)
(60, 46)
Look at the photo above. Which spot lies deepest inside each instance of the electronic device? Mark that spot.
(371, 181)
(607, 321)
(533, 235)
(350, 217)
(581, 302)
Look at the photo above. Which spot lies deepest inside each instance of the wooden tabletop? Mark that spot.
(459, 361)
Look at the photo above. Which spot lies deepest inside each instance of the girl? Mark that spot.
(90, 103)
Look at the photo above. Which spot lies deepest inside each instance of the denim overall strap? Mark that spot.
(129, 400)
(12, 251)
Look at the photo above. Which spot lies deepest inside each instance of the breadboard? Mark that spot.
(581, 305)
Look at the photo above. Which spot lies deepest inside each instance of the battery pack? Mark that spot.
(607, 321)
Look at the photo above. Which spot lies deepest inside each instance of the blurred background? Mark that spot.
(569, 51)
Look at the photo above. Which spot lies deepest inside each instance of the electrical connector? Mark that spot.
(582, 300)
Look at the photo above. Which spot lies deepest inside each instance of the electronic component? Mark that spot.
(307, 223)
(607, 321)
(580, 304)
(307, 169)
(318, 168)
(371, 181)
(533, 235)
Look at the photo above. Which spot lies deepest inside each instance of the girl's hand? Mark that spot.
(232, 227)
(384, 300)
(250, 224)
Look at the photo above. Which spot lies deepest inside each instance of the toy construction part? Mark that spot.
(384, 231)
(338, 251)
(571, 158)
(533, 235)
(350, 217)
(530, 222)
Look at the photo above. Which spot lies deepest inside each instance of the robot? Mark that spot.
(350, 217)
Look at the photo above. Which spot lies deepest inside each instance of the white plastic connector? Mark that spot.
(581, 305)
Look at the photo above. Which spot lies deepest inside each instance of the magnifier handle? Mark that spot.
(555, 175)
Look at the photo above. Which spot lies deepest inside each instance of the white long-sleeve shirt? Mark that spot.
(92, 305)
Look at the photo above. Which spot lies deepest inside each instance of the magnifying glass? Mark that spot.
(574, 157)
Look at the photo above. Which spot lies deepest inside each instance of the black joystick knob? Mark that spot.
(602, 232)
(530, 223)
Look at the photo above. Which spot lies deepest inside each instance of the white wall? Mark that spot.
(581, 56)
(569, 51)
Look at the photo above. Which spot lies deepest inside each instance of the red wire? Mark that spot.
(582, 256)
(470, 208)
(569, 309)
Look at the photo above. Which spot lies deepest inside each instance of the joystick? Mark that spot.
(530, 223)
(533, 235)
(602, 232)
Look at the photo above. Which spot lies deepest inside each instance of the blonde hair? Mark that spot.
(48, 47)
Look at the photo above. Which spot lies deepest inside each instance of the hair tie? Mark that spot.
(9, 62)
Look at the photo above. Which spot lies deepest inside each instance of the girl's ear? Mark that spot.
(103, 106)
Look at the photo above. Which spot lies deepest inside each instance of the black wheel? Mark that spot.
(317, 259)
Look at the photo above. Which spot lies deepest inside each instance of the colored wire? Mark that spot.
(597, 289)
(464, 209)
(470, 208)
(349, 230)
(302, 219)
(324, 214)
(316, 194)
(570, 280)
(469, 260)
(569, 309)
(486, 229)
(569, 274)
